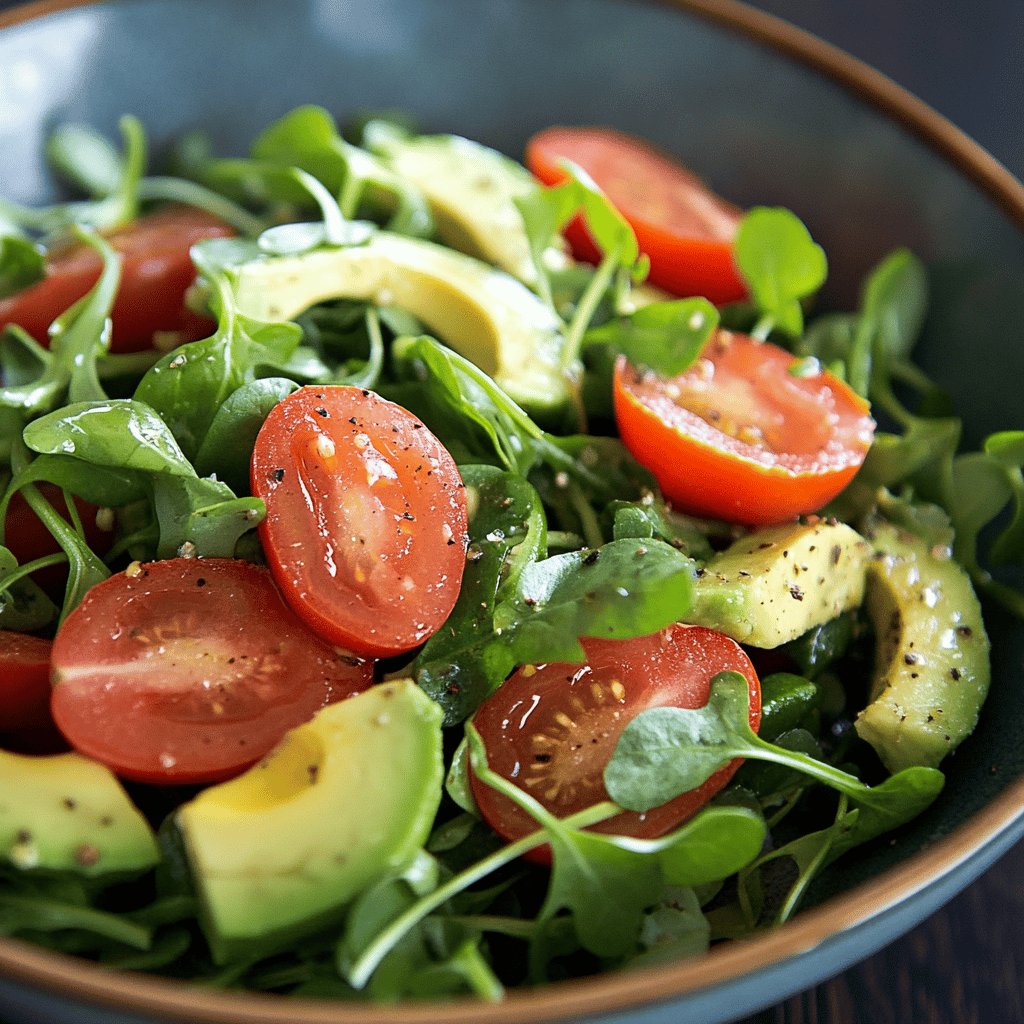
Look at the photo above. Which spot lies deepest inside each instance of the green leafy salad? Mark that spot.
(402, 594)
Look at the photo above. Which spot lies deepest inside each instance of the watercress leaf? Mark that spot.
(85, 158)
(121, 433)
(462, 399)
(308, 137)
(653, 518)
(667, 751)
(545, 213)
(709, 847)
(667, 337)
(981, 489)
(606, 889)
(1007, 447)
(227, 447)
(21, 264)
(23, 360)
(188, 385)
(829, 338)
(924, 445)
(892, 803)
(85, 569)
(459, 667)
(623, 589)
(608, 228)
(104, 486)
(24, 607)
(203, 513)
(673, 929)
(20, 913)
(895, 299)
(780, 263)
(372, 911)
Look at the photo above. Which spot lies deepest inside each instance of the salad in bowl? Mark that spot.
(424, 575)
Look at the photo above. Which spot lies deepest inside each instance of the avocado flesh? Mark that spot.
(774, 584)
(472, 192)
(65, 812)
(484, 314)
(931, 657)
(343, 800)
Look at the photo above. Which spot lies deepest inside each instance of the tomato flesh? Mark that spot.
(24, 681)
(189, 670)
(741, 437)
(685, 229)
(551, 729)
(156, 272)
(366, 518)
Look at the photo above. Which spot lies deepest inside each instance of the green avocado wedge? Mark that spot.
(483, 313)
(931, 655)
(472, 191)
(774, 584)
(342, 802)
(65, 812)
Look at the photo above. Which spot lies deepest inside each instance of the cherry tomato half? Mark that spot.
(685, 229)
(740, 436)
(189, 670)
(366, 518)
(157, 270)
(24, 681)
(552, 729)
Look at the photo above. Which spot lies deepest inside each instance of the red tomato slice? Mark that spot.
(156, 272)
(685, 229)
(741, 437)
(189, 670)
(552, 729)
(24, 681)
(366, 518)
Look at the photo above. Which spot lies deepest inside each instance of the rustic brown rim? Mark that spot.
(62, 975)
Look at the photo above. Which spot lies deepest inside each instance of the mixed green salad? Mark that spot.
(403, 594)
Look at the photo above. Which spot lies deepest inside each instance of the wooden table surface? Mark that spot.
(965, 964)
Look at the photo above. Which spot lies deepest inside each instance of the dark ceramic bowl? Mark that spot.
(767, 115)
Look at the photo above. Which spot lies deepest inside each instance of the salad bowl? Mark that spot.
(783, 120)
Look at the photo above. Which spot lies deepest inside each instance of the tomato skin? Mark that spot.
(685, 229)
(156, 272)
(24, 681)
(551, 729)
(739, 437)
(366, 518)
(189, 670)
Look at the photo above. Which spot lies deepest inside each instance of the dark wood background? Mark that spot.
(964, 965)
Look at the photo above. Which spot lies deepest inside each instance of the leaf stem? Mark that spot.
(361, 971)
(587, 306)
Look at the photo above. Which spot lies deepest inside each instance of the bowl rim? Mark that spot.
(58, 974)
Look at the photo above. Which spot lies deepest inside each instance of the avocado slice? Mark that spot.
(484, 314)
(65, 812)
(471, 190)
(774, 584)
(344, 800)
(931, 657)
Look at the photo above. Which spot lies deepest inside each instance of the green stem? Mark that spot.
(588, 517)
(15, 575)
(587, 306)
(795, 894)
(515, 927)
(180, 190)
(764, 326)
(378, 949)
